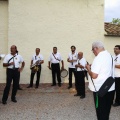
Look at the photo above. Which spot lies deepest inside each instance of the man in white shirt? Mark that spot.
(37, 60)
(100, 70)
(12, 62)
(80, 76)
(72, 59)
(117, 75)
(54, 60)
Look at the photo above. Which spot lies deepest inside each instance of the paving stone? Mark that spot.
(51, 103)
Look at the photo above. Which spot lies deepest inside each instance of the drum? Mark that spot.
(34, 68)
(64, 73)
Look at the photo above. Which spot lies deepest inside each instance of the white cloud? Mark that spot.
(112, 8)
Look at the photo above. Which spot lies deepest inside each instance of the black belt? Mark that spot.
(12, 68)
(55, 63)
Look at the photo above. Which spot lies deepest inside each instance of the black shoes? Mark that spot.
(69, 87)
(59, 84)
(82, 96)
(115, 105)
(29, 86)
(36, 87)
(77, 95)
(14, 100)
(53, 85)
(4, 102)
(20, 88)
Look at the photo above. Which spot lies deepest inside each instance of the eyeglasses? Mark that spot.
(92, 48)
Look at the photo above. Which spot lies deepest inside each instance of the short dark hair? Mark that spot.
(16, 50)
(72, 47)
(55, 47)
(38, 48)
(117, 46)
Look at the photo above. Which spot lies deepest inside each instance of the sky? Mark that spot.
(112, 10)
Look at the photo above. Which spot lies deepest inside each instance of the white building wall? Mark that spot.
(48, 23)
(110, 43)
(3, 36)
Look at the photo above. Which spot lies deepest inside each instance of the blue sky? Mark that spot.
(112, 10)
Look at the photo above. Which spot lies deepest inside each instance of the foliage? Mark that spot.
(116, 21)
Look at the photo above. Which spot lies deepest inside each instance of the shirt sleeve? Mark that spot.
(60, 57)
(49, 59)
(83, 62)
(69, 56)
(95, 68)
(21, 59)
(119, 60)
(32, 57)
(42, 57)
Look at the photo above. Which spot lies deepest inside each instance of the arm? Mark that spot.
(71, 60)
(49, 65)
(80, 66)
(8, 64)
(117, 66)
(42, 61)
(31, 62)
(62, 64)
(22, 66)
(93, 75)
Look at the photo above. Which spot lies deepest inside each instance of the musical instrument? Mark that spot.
(35, 67)
(2, 55)
(64, 73)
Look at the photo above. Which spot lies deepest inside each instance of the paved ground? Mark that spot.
(50, 103)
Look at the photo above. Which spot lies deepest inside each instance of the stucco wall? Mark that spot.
(48, 23)
(110, 43)
(3, 35)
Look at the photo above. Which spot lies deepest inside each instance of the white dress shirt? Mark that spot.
(36, 58)
(82, 62)
(102, 65)
(117, 62)
(73, 57)
(17, 59)
(57, 56)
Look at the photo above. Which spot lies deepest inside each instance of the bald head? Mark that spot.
(80, 55)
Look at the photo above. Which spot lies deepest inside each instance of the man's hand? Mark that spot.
(49, 67)
(88, 67)
(71, 61)
(37, 62)
(62, 68)
(77, 65)
(20, 69)
(12, 63)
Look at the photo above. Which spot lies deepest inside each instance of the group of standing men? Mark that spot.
(99, 71)
(13, 60)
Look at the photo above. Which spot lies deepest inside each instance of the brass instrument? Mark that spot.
(35, 67)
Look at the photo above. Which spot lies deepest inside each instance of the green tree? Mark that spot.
(116, 21)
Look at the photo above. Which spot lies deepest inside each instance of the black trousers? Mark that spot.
(11, 75)
(71, 70)
(117, 90)
(55, 71)
(104, 105)
(19, 82)
(38, 77)
(80, 82)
